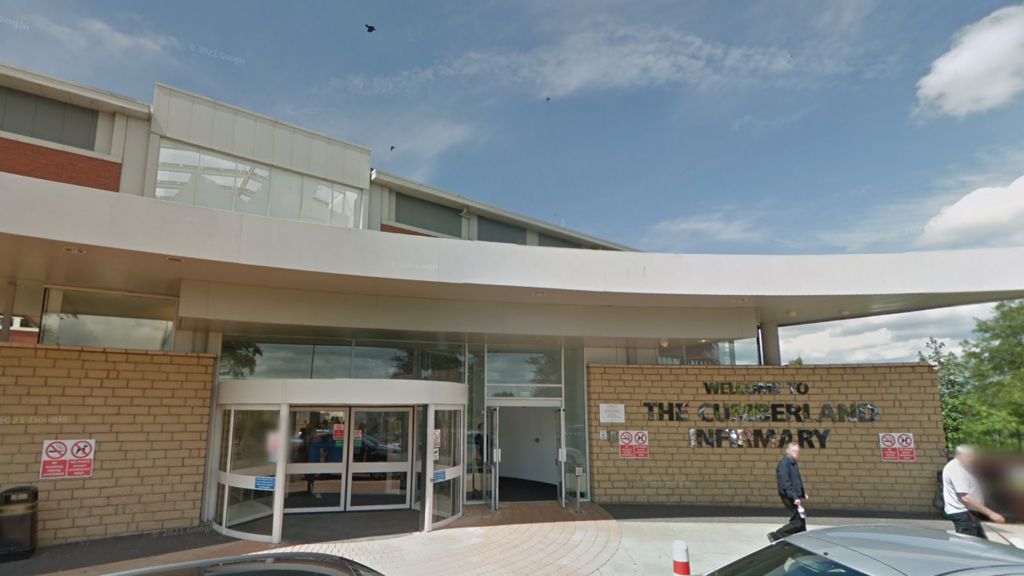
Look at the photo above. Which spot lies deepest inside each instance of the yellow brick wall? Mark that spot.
(147, 411)
(847, 475)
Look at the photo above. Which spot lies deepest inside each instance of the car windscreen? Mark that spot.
(785, 559)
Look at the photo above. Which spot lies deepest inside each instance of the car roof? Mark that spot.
(314, 562)
(913, 550)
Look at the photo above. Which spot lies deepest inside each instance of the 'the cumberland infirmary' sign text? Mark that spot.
(752, 412)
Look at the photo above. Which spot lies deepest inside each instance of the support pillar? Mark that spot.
(771, 355)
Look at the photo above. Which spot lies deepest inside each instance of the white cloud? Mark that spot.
(990, 216)
(682, 234)
(601, 56)
(983, 70)
(893, 338)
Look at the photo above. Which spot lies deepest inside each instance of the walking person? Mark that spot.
(962, 496)
(792, 493)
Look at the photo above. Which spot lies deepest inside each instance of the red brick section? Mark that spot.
(57, 165)
(397, 230)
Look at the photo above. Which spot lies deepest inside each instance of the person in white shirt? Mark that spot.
(962, 495)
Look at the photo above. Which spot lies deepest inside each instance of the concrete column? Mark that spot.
(771, 355)
(8, 312)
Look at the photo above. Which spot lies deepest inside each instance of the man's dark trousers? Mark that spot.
(796, 523)
(967, 523)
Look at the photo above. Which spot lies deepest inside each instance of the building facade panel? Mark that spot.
(841, 460)
(148, 413)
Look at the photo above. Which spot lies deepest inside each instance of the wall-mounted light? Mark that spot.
(738, 300)
(791, 313)
(174, 259)
(664, 343)
(538, 292)
(74, 250)
(373, 174)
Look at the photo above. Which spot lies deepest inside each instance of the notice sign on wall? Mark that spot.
(897, 447)
(612, 413)
(633, 444)
(67, 458)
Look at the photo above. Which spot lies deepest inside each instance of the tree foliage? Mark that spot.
(982, 390)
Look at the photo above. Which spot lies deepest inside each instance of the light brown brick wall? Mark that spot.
(147, 411)
(847, 475)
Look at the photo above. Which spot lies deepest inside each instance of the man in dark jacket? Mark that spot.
(791, 490)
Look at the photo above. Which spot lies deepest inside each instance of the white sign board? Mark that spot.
(612, 413)
(67, 458)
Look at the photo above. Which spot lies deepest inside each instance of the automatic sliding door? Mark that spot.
(381, 458)
(316, 460)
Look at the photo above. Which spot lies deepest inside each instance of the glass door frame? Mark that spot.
(231, 479)
(450, 473)
(492, 410)
(340, 468)
(381, 467)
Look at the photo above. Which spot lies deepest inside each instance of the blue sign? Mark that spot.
(265, 483)
(438, 476)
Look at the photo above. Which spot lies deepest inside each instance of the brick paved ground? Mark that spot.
(541, 539)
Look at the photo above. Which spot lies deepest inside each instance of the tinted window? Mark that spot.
(494, 231)
(545, 240)
(427, 215)
(47, 119)
(784, 559)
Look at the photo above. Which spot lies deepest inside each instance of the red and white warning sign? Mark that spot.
(897, 447)
(634, 444)
(339, 431)
(67, 458)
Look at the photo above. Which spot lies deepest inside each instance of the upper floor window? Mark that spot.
(198, 176)
(47, 119)
(427, 215)
(495, 231)
(546, 240)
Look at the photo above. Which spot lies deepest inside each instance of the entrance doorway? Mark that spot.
(526, 451)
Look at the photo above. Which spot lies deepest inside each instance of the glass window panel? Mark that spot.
(19, 113)
(318, 437)
(225, 439)
(379, 488)
(575, 419)
(384, 361)
(105, 320)
(218, 514)
(477, 475)
(495, 231)
(746, 352)
(524, 366)
(332, 361)
(446, 499)
(316, 201)
(79, 127)
(524, 391)
(380, 436)
(555, 241)
(285, 194)
(449, 422)
(215, 185)
(250, 510)
(249, 442)
(317, 490)
(428, 215)
(3, 103)
(252, 191)
(48, 123)
(176, 176)
(345, 207)
(240, 359)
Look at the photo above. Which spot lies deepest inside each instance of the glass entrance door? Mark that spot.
(316, 468)
(446, 453)
(492, 454)
(381, 459)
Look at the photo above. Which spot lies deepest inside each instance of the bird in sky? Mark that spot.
(547, 99)
(370, 29)
(392, 148)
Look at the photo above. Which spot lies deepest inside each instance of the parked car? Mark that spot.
(883, 550)
(268, 564)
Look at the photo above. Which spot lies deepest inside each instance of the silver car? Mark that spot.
(883, 550)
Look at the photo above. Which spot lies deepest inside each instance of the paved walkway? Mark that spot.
(541, 539)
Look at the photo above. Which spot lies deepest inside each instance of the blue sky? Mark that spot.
(700, 126)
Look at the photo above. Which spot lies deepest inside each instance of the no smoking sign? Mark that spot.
(67, 458)
(897, 447)
(634, 444)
